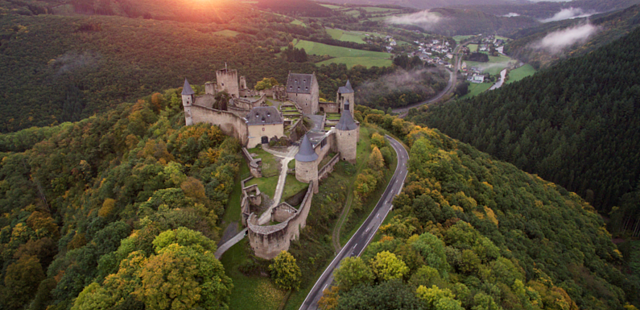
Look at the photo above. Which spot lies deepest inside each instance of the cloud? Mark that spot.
(555, 42)
(424, 19)
(570, 13)
(417, 81)
(511, 15)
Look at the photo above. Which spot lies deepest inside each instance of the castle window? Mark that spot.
(222, 84)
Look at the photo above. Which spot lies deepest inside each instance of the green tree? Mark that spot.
(352, 272)
(285, 272)
(376, 161)
(20, 280)
(377, 140)
(387, 266)
(266, 83)
(438, 299)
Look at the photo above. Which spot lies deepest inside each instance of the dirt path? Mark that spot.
(266, 216)
(335, 237)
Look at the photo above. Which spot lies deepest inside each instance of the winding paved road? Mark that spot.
(365, 233)
(404, 111)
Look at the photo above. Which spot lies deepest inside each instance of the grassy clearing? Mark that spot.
(227, 33)
(520, 73)
(353, 13)
(493, 66)
(333, 7)
(270, 164)
(292, 186)
(266, 185)
(232, 212)
(335, 34)
(461, 38)
(326, 159)
(299, 23)
(362, 61)
(253, 292)
(348, 56)
(333, 116)
(473, 47)
(476, 89)
(377, 9)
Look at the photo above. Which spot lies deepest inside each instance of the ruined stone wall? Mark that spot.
(227, 80)
(329, 107)
(229, 123)
(255, 165)
(268, 241)
(328, 168)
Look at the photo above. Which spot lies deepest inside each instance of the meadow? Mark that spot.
(348, 56)
(520, 73)
(494, 66)
(476, 89)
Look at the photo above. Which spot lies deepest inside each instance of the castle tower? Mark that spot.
(188, 97)
(347, 135)
(227, 80)
(306, 162)
(346, 99)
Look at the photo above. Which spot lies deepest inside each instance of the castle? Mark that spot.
(253, 122)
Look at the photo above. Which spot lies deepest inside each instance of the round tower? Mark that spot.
(188, 97)
(346, 99)
(306, 162)
(347, 136)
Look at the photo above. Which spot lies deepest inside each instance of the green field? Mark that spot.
(520, 73)
(473, 47)
(292, 186)
(353, 13)
(476, 89)
(227, 33)
(494, 66)
(348, 56)
(329, 6)
(460, 38)
(299, 23)
(378, 10)
(266, 185)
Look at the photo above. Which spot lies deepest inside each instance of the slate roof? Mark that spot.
(264, 116)
(299, 83)
(186, 89)
(347, 89)
(346, 121)
(306, 153)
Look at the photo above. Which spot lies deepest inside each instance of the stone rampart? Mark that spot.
(328, 168)
(229, 123)
(255, 165)
(268, 241)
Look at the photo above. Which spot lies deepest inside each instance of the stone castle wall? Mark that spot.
(227, 80)
(268, 241)
(229, 123)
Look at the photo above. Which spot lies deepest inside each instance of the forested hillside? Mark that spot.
(547, 9)
(470, 232)
(134, 173)
(576, 124)
(608, 28)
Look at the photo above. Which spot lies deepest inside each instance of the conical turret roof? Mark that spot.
(346, 121)
(186, 89)
(306, 153)
(347, 89)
